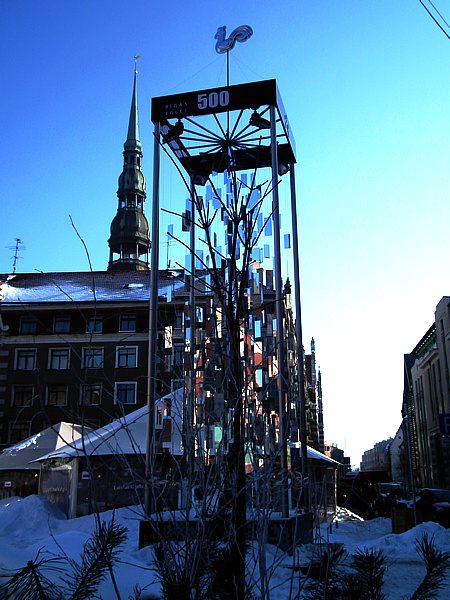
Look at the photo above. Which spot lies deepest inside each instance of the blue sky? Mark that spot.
(366, 86)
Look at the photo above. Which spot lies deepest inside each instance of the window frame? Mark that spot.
(28, 321)
(127, 356)
(64, 320)
(95, 351)
(178, 352)
(94, 324)
(51, 352)
(23, 351)
(127, 318)
(178, 321)
(15, 389)
(50, 389)
(92, 387)
(130, 384)
(13, 426)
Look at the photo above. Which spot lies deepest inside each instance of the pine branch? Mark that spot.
(100, 554)
(30, 583)
(370, 569)
(437, 563)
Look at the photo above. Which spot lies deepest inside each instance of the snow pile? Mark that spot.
(32, 524)
(405, 569)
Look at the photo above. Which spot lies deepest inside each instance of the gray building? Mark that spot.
(428, 409)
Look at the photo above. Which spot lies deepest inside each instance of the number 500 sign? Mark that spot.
(213, 99)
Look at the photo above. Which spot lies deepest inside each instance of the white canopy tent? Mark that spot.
(313, 454)
(126, 435)
(23, 456)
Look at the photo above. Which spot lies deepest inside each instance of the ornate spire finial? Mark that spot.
(136, 56)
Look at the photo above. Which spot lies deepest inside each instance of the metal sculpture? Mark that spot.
(240, 34)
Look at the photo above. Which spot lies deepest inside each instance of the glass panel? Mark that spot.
(62, 325)
(19, 432)
(22, 395)
(92, 394)
(26, 360)
(126, 357)
(94, 325)
(128, 323)
(56, 395)
(126, 393)
(59, 358)
(93, 358)
(28, 325)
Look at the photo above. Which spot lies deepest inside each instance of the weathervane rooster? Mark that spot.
(240, 34)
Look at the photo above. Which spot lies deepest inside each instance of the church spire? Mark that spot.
(133, 140)
(129, 243)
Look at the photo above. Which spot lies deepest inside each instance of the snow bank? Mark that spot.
(31, 524)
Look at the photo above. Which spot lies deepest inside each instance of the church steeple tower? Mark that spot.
(129, 243)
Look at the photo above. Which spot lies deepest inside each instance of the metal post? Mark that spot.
(192, 315)
(279, 312)
(152, 329)
(298, 329)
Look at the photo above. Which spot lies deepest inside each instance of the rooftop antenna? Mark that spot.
(16, 249)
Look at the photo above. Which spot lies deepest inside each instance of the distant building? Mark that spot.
(398, 457)
(377, 458)
(426, 405)
(332, 451)
(314, 416)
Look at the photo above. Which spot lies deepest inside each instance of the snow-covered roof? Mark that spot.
(86, 286)
(127, 435)
(19, 456)
(313, 454)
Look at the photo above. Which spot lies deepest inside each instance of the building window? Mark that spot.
(25, 360)
(91, 394)
(94, 325)
(22, 395)
(56, 395)
(178, 355)
(178, 320)
(19, 431)
(93, 358)
(28, 325)
(58, 358)
(61, 325)
(127, 323)
(126, 392)
(126, 356)
(159, 415)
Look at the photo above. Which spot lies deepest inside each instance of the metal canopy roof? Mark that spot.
(240, 140)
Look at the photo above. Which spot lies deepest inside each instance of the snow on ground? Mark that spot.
(405, 569)
(30, 525)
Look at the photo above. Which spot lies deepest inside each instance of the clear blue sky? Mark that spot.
(366, 86)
